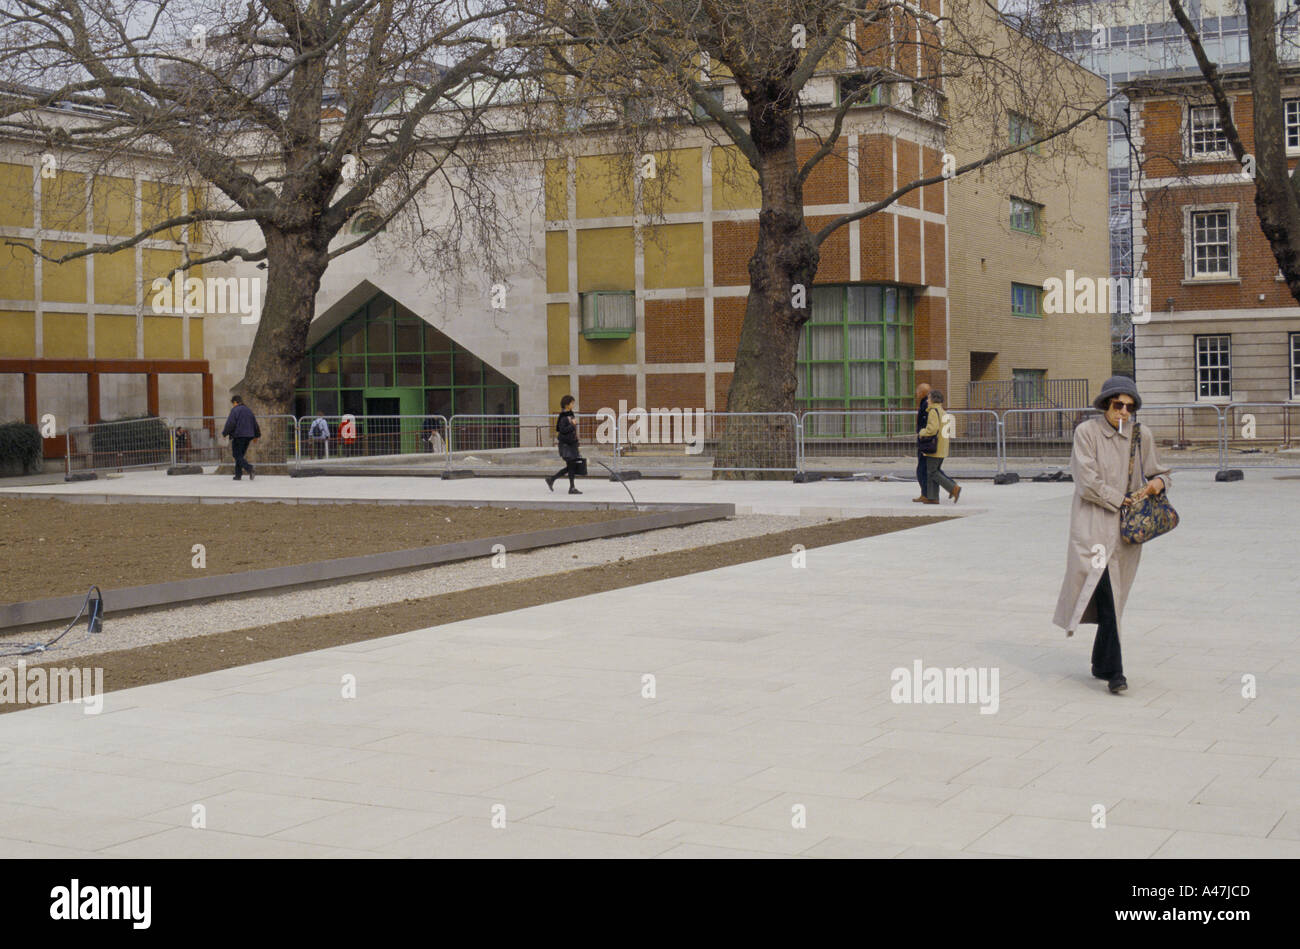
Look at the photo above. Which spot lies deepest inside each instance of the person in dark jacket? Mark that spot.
(922, 416)
(241, 428)
(567, 427)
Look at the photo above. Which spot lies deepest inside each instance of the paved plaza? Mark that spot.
(744, 711)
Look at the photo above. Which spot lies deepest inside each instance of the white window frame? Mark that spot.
(1291, 123)
(1189, 249)
(1188, 116)
(1197, 367)
(1035, 211)
(1294, 352)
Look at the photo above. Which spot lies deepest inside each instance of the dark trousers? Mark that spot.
(237, 448)
(936, 477)
(922, 471)
(320, 447)
(1105, 648)
(570, 468)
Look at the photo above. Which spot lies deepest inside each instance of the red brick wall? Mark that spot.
(909, 250)
(674, 390)
(875, 167)
(721, 385)
(834, 264)
(909, 169)
(877, 246)
(932, 195)
(935, 274)
(674, 330)
(930, 329)
(828, 183)
(733, 245)
(728, 315)
(603, 391)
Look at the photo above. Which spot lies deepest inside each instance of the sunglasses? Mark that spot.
(1124, 406)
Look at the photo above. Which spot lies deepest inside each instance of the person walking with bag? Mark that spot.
(1118, 481)
(922, 416)
(241, 428)
(567, 427)
(932, 442)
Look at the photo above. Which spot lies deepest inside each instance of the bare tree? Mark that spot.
(304, 116)
(774, 52)
(1277, 201)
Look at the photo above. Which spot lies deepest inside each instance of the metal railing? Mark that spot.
(1261, 435)
(197, 440)
(116, 446)
(349, 438)
(887, 437)
(1003, 394)
(1191, 435)
(1188, 436)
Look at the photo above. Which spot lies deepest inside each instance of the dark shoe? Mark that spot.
(250, 474)
(929, 501)
(237, 478)
(550, 483)
(574, 491)
(955, 493)
(1118, 684)
(921, 499)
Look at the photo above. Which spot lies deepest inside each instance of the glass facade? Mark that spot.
(856, 353)
(385, 360)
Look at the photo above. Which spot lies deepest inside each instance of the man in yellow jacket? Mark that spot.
(936, 432)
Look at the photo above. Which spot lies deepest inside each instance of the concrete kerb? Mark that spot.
(15, 615)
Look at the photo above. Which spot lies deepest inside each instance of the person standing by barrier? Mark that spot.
(320, 436)
(922, 416)
(567, 427)
(1100, 567)
(932, 441)
(241, 428)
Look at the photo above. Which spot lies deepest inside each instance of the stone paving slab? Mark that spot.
(771, 730)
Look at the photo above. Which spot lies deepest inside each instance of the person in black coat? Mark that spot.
(241, 428)
(567, 427)
(922, 415)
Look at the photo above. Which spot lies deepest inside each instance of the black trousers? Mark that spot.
(570, 468)
(922, 476)
(1106, 659)
(237, 448)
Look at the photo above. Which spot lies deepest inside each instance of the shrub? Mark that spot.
(20, 449)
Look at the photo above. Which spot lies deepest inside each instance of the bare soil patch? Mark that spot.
(54, 548)
(127, 668)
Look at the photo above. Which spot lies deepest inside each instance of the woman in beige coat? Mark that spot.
(1100, 566)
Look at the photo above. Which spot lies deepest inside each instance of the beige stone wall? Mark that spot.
(1260, 356)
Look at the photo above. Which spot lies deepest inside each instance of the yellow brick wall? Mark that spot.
(162, 337)
(557, 262)
(115, 337)
(66, 282)
(16, 204)
(604, 186)
(63, 202)
(606, 259)
(557, 387)
(115, 278)
(17, 334)
(196, 336)
(556, 185)
(606, 352)
(17, 273)
(674, 255)
(114, 205)
(735, 182)
(557, 334)
(63, 336)
(678, 185)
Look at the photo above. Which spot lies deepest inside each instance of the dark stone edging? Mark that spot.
(253, 581)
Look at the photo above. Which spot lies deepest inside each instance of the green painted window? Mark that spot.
(1026, 300)
(608, 314)
(385, 346)
(1026, 216)
(1022, 130)
(856, 354)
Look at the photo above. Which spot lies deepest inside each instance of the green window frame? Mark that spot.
(1026, 301)
(383, 346)
(856, 354)
(1021, 130)
(608, 314)
(1026, 216)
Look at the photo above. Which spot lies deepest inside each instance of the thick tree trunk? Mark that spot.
(295, 264)
(781, 274)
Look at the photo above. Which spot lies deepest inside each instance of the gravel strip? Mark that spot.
(146, 628)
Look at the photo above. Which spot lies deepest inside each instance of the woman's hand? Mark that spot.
(1147, 491)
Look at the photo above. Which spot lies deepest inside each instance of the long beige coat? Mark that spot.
(1099, 464)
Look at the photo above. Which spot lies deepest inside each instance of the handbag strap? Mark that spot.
(1132, 454)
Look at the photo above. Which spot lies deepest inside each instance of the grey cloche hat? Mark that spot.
(1117, 385)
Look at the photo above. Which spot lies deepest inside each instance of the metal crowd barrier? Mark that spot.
(348, 438)
(116, 446)
(887, 437)
(1261, 435)
(197, 440)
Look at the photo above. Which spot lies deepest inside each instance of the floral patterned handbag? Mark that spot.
(1153, 515)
